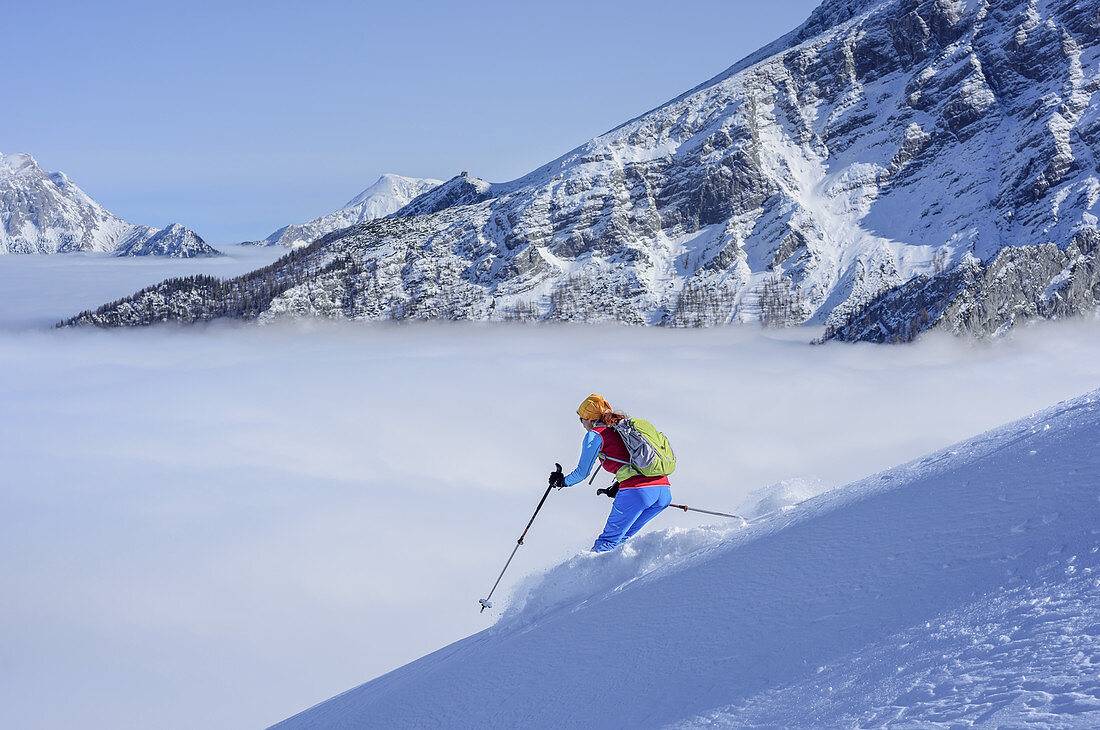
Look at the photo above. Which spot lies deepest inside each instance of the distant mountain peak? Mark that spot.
(17, 162)
(459, 190)
(393, 187)
(384, 197)
(44, 213)
(175, 240)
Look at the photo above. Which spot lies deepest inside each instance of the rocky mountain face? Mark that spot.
(890, 166)
(384, 197)
(43, 212)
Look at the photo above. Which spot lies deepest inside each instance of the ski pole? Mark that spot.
(613, 490)
(685, 508)
(485, 601)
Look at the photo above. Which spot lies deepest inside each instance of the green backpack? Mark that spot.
(650, 452)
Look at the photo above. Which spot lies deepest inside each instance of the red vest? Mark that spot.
(614, 455)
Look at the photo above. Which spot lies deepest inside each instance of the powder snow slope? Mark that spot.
(959, 588)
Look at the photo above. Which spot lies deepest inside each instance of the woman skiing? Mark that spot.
(638, 498)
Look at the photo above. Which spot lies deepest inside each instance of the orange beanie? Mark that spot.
(593, 407)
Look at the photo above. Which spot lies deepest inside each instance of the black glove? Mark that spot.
(557, 478)
(610, 491)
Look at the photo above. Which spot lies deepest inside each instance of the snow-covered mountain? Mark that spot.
(889, 166)
(175, 240)
(387, 195)
(458, 191)
(959, 589)
(45, 212)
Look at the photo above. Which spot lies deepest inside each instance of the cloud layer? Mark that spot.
(219, 526)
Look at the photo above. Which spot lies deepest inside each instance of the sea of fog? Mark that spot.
(218, 526)
(38, 291)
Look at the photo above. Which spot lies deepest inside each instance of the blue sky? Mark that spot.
(236, 118)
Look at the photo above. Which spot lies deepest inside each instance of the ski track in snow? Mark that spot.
(956, 590)
(587, 576)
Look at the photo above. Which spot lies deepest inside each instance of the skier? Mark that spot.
(638, 498)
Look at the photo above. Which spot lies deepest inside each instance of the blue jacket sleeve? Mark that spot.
(590, 448)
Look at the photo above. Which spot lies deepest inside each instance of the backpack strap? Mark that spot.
(604, 457)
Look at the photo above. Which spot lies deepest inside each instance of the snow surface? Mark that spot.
(959, 589)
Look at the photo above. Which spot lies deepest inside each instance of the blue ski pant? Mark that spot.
(629, 513)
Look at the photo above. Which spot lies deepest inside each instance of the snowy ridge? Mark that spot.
(46, 213)
(459, 190)
(959, 586)
(388, 194)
